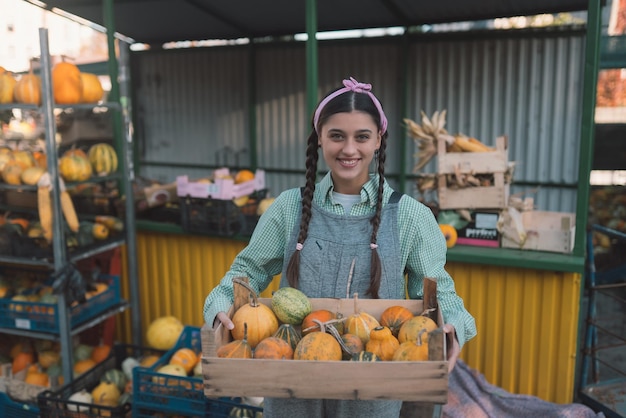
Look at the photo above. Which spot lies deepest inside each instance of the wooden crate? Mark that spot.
(484, 197)
(425, 381)
(545, 231)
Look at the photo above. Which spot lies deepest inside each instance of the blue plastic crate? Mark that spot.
(56, 403)
(158, 392)
(44, 317)
(10, 408)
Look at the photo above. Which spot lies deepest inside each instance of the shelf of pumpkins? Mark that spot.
(346, 348)
(83, 171)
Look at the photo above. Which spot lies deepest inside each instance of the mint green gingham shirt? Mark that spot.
(422, 245)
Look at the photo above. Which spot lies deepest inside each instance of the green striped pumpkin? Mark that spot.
(290, 305)
(115, 376)
(103, 159)
(288, 333)
(366, 356)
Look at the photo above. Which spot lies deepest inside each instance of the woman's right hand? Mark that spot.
(224, 319)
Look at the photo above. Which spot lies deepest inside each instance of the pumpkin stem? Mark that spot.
(425, 312)
(356, 298)
(255, 297)
(333, 331)
(419, 336)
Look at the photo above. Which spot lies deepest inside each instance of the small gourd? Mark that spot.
(238, 348)
(82, 397)
(360, 323)
(262, 322)
(412, 350)
(273, 348)
(353, 345)
(185, 357)
(106, 394)
(115, 376)
(288, 333)
(128, 365)
(410, 329)
(394, 316)
(382, 343)
(364, 356)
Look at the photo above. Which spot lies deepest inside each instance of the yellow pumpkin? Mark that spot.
(106, 394)
(92, 91)
(163, 332)
(28, 89)
(12, 173)
(7, 87)
(66, 83)
(100, 231)
(32, 175)
(74, 168)
(449, 232)
(24, 158)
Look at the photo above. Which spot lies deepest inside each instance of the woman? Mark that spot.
(314, 234)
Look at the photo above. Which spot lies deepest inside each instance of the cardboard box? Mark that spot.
(223, 186)
(485, 197)
(424, 381)
(482, 231)
(538, 230)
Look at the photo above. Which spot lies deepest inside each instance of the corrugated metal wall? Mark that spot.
(191, 106)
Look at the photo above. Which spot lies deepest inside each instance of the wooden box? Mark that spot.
(539, 231)
(425, 381)
(484, 197)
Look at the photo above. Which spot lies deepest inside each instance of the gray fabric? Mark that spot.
(333, 242)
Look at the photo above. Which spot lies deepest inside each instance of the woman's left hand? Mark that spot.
(452, 345)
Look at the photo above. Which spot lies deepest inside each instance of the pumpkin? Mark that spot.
(91, 88)
(318, 346)
(82, 366)
(412, 350)
(394, 316)
(382, 343)
(273, 348)
(288, 333)
(82, 352)
(66, 83)
(184, 357)
(310, 323)
(238, 348)
(7, 87)
(100, 352)
(37, 377)
(12, 173)
(103, 159)
(32, 175)
(28, 89)
(163, 332)
(24, 158)
(128, 365)
(74, 167)
(22, 360)
(100, 231)
(360, 323)
(149, 360)
(106, 394)
(5, 157)
(290, 305)
(48, 358)
(450, 234)
(170, 370)
(364, 356)
(115, 376)
(41, 160)
(83, 397)
(261, 320)
(353, 344)
(410, 329)
(243, 176)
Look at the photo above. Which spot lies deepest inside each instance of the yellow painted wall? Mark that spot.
(527, 319)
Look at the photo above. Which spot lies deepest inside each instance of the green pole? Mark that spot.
(252, 131)
(403, 106)
(590, 80)
(311, 56)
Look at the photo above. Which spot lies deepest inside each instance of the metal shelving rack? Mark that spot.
(60, 256)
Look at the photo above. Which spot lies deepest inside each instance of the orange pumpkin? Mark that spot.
(24, 158)
(239, 348)
(394, 316)
(382, 343)
(28, 89)
(81, 366)
(100, 353)
(91, 88)
(37, 377)
(353, 343)
(450, 234)
(260, 319)
(185, 357)
(309, 323)
(12, 173)
(412, 350)
(66, 83)
(318, 346)
(411, 328)
(22, 360)
(274, 348)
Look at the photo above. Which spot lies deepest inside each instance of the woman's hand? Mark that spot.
(452, 345)
(224, 319)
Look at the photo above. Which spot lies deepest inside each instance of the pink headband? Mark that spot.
(353, 85)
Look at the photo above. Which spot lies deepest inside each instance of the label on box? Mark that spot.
(481, 232)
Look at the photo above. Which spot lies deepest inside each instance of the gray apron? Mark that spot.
(333, 242)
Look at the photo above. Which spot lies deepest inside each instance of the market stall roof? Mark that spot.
(160, 21)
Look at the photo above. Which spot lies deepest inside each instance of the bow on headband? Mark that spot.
(355, 86)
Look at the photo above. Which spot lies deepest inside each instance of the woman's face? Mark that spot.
(348, 142)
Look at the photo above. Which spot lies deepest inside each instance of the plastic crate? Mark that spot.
(214, 408)
(57, 404)
(44, 317)
(13, 409)
(218, 217)
(157, 392)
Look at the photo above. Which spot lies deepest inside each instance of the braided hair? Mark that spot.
(343, 103)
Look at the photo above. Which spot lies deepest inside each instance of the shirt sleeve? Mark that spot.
(425, 246)
(259, 261)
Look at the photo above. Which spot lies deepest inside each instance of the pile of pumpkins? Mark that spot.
(69, 86)
(291, 329)
(75, 165)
